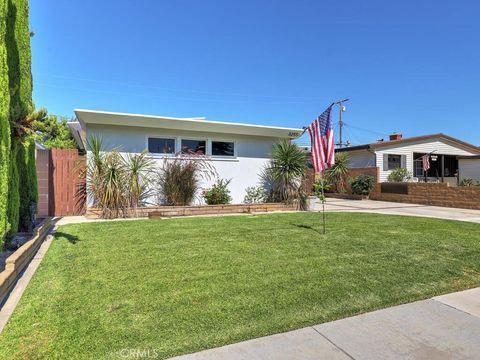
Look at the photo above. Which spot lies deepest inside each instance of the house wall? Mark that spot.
(252, 152)
(440, 148)
(469, 169)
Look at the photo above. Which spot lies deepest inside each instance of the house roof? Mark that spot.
(424, 138)
(192, 124)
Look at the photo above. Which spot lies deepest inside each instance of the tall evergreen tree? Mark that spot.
(4, 123)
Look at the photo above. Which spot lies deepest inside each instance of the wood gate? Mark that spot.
(59, 173)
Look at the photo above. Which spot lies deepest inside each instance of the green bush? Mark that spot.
(469, 182)
(218, 193)
(4, 125)
(13, 193)
(255, 195)
(363, 184)
(27, 183)
(399, 175)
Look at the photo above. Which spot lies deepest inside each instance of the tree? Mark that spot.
(337, 173)
(53, 132)
(4, 124)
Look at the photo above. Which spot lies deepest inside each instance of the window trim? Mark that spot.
(388, 162)
(175, 150)
(234, 156)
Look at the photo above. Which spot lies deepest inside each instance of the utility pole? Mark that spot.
(341, 109)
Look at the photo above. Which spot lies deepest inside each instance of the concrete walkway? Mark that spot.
(445, 327)
(383, 207)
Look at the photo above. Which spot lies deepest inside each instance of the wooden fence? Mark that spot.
(59, 179)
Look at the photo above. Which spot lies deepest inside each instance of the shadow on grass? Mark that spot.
(308, 227)
(71, 238)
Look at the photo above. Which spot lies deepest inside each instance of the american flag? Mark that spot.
(426, 162)
(321, 136)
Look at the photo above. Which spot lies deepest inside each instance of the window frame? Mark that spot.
(399, 162)
(174, 138)
(211, 141)
(207, 150)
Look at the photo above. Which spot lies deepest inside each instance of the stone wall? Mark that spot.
(436, 194)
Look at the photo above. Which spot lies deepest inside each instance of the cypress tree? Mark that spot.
(4, 123)
(13, 196)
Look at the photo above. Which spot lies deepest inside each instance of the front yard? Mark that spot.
(182, 285)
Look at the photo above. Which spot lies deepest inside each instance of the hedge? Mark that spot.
(19, 55)
(27, 184)
(13, 194)
(4, 124)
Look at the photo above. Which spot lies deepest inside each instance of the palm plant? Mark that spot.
(138, 170)
(286, 171)
(337, 173)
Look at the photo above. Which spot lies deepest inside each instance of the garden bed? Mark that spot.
(18, 260)
(346, 196)
(169, 211)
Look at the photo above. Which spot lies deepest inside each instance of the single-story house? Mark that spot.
(237, 151)
(402, 152)
(469, 167)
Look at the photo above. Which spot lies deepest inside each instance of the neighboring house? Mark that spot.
(469, 167)
(407, 153)
(238, 151)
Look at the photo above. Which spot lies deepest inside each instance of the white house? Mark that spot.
(469, 167)
(237, 151)
(402, 152)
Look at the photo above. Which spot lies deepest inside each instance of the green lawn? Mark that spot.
(182, 285)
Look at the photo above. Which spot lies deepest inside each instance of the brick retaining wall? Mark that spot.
(436, 194)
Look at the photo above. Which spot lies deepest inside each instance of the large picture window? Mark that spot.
(161, 146)
(194, 146)
(223, 148)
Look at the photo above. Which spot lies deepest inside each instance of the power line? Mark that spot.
(311, 99)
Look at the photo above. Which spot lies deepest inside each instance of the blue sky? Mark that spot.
(408, 66)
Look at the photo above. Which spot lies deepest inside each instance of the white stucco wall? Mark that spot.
(252, 152)
(469, 169)
(440, 148)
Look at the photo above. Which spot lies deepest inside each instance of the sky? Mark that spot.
(406, 66)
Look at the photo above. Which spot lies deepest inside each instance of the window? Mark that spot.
(194, 146)
(394, 161)
(223, 148)
(161, 146)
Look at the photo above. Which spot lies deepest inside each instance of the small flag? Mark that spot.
(426, 162)
(321, 136)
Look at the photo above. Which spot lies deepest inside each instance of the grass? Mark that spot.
(182, 285)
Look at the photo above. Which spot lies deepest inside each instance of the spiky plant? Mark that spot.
(337, 173)
(138, 170)
(287, 169)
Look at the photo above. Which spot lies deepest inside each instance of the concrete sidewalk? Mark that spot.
(445, 327)
(392, 208)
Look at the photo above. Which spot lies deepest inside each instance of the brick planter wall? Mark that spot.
(441, 194)
(168, 211)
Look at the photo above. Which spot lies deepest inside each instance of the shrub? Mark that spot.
(399, 175)
(4, 124)
(218, 193)
(337, 173)
(180, 177)
(469, 182)
(53, 133)
(363, 184)
(27, 185)
(286, 171)
(13, 193)
(115, 183)
(320, 187)
(255, 195)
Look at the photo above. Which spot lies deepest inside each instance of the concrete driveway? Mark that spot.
(383, 207)
(445, 327)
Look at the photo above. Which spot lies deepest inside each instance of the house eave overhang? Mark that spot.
(87, 117)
